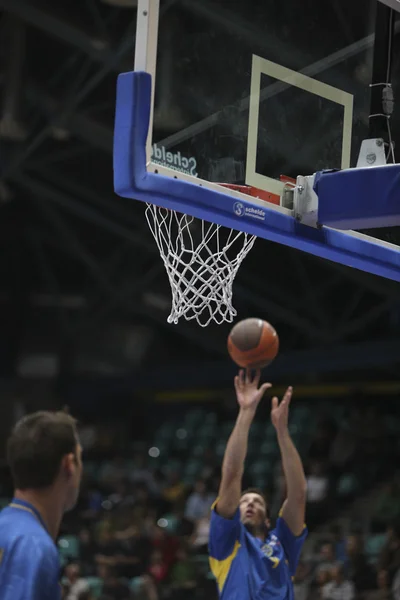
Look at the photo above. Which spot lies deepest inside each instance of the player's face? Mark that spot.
(74, 480)
(253, 511)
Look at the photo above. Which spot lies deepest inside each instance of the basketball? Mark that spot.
(253, 343)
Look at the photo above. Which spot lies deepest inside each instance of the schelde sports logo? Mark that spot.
(174, 160)
(238, 209)
(241, 210)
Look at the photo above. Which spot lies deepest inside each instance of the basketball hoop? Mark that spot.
(201, 260)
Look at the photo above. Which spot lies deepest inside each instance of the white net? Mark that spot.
(201, 260)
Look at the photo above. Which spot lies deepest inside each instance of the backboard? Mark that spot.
(246, 92)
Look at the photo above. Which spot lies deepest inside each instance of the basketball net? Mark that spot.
(201, 260)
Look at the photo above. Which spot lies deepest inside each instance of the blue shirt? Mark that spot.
(29, 561)
(247, 568)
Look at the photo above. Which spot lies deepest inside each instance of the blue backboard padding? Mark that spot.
(359, 199)
(131, 180)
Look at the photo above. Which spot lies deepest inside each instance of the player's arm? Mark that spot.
(248, 396)
(293, 510)
(225, 518)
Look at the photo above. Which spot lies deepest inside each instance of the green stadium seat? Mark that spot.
(347, 485)
(135, 585)
(96, 586)
(167, 428)
(206, 431)
(171, 523)
(193, 417)
(181, 445)
(269, 432)
(202, 564)
(257, 430)
(68, 547)
(210, 418)
(192, 468)
(260, 470)
(199, 449)
(227, 428)
(220, 448)
(269, 448)
(253, 448)
(374, 545)
(262, 482)
(92, 469)
(173, 464)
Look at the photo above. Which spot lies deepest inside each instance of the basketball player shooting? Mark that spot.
(44, 456)
(249, 560)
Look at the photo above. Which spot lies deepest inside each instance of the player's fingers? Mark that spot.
(236, 382)
(248, 376)
(241, 377)
(288, 395)
(257, 377)
(275, 402)
(264, 388)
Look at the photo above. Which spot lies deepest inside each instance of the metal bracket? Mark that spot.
(305, 202)
(372, 153)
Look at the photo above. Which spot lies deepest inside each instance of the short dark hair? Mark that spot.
(36, 447)
(259, 492)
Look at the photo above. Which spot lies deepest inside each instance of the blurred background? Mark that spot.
(83, 306)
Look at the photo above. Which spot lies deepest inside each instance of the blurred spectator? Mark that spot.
(201, 534)
(88, 437)
(75, 587)
(131, 553)
(87, 551)
(105, 550)
(321, 579)
(321, 443)
(359, 571)
(396, 586)
(121, 496)
(141, 497)
(211, 467)
(302, 581)
(317, 493)
(165, 543)
(389, 559)
(387, 508)
(113, 588)
(339, 543)
(175, 489)
(339, 588)
(140, 473)
(384, 591)
(113, 472)
(158, 567)
(199, 503)
(183, 576)
(93, 502)
(343, 449)
(327, 558)
(279, 488)
(371, 431)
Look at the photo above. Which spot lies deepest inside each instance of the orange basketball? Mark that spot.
(253, 343)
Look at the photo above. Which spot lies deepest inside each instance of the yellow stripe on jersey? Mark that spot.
(220, 568)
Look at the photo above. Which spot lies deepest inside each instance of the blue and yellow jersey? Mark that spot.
(247, 568)
(29, 561)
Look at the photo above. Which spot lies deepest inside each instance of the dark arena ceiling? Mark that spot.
(81, 278)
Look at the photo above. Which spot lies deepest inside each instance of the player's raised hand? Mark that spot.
(280, 411)
(247, 388)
